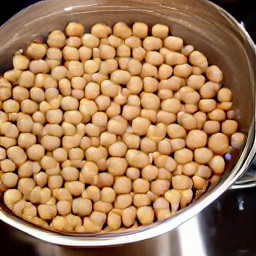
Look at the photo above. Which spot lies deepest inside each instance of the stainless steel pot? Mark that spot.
(208, 27)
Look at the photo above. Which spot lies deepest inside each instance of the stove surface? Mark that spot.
(226, 227)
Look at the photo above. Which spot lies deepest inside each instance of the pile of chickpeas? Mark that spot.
(113, 128)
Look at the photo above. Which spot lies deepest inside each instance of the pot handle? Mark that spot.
(247, 180)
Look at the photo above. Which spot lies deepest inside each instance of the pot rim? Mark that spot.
(156, 229)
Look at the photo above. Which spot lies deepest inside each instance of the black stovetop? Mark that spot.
(228, 225)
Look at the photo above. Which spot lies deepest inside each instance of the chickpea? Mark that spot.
(56, 39)
(182, 70)
(159, 187)
(137, 158)
(183, 156)
(217, 115)
(203, 155)
(196, 139)
(211, 127)
(81, 206)
(122, 185)
(114, 220)
(92, 192)
(217, 164)
(9, 179)
(104, 207)
(148, 70)
(165, 117)
(150, 101)
(138, 53)
(149, 172)
(2, 154)
(117, 125)
(11, 106)
(12, 196)
(129, 216)
(176, 131)
(196, 81)
(207, 105)
(237, 140)
(105, 179)
(25, 140)
(90, 41)
(120, 76)
(117, 166)
(224, 95)
(198, 59)
(214, 74)
(118, 149)
(123, 201)
(17, 155)
(122, 30)
(218, 143)
(20, 62)
(50, 142)
(140, 186)
(148, 145)
(140, 29)
(108, 194)
(171, 105)
(145, 215)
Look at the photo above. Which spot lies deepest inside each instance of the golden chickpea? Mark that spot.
(150, 101)
(176, 131)
(148, 70)
(211, 127)
(25, 140)
(152, 43)
(90, 41)
(198, 59)
(122, 30)
(81, 206)
(123, 51)
(183, 156)
(9, 179)
(217, 164)
(214, 74)
(164, 71)
(218, 143)
(74, 29)
(187, 49)
(131, 140)
(190, 168)
(140, 29)
(182, 70)
(120, 77)
(100, 30)
(140, 186)
(196, 139)
(130, 112)
(117, 125)
(145, 215)
(20, 62)
(129, 216)
(137, 158)
(204, 171)
(117, 166)
(196, 81)
(2, 154)
(122, 185)
(217, 115)
(123, 201)
(237, 140)
(173, 43)
(12, 196)
(160, 31)
(11, 106)
(56, 39)
(171, 105)
(203, 155)
(188, 121)
(207, 105)
(224, 95)
(133, 173)
(164, 147)
(149, 172)
(133, 42)
(17, 155)
(166, 117)
(148, 145)
(138, 53)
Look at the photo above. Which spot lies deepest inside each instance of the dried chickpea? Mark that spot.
(196, 139)
(218, 143)
(214, 74)
(211, 127)
(145, 215)
(237, 139)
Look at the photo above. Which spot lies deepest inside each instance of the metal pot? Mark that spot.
(205, 25)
